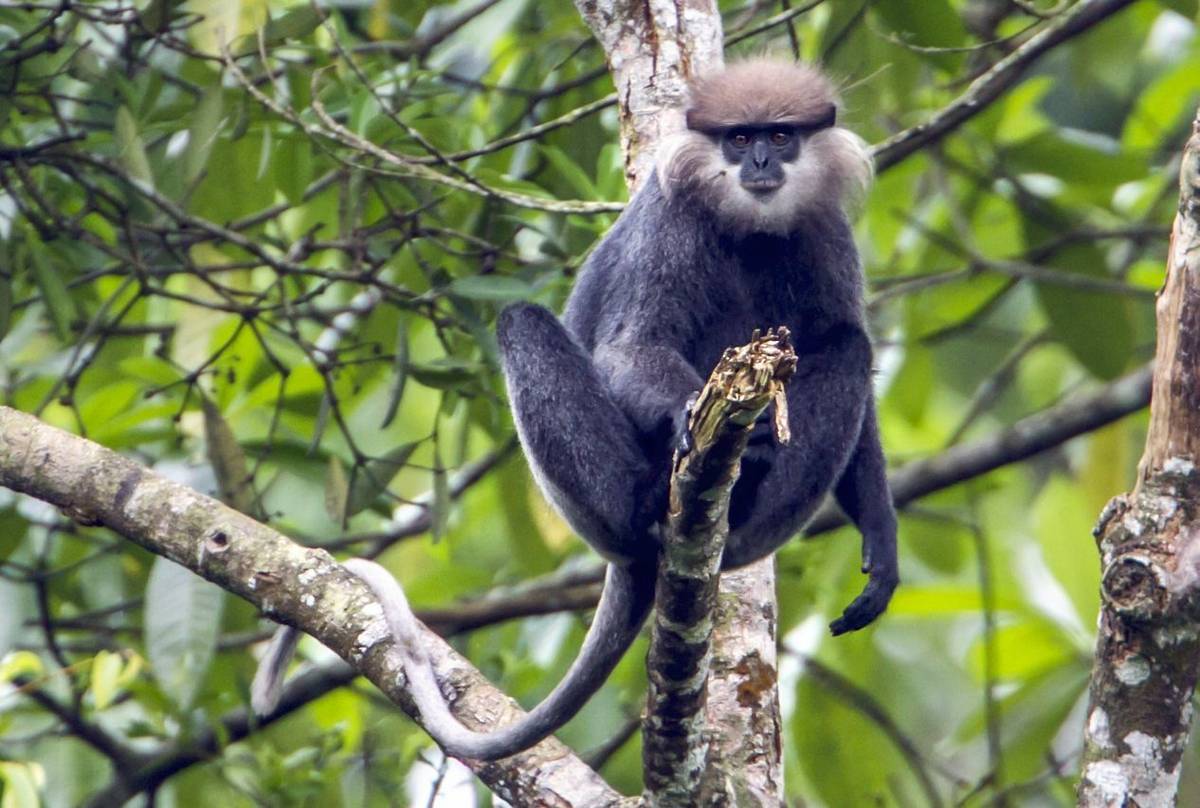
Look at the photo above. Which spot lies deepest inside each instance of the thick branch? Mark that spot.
(674, 738)
(1148, 647)
(302, 587)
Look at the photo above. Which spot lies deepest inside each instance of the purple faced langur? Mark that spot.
(741, 227)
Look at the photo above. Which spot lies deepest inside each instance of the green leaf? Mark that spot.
(446, 374)
(502, 288)
(941, 545)
(439, 506)
(21, 783)
(575, 176)
(206, 126)
(373, 479)
(1102, 340)
(227, 459)
(300, 21)
(150, 369)
(928, 24)
(12, 533)
(399, 371)
(935, 600)
(1188, 8)
(1062, 522)
(106, 673)
(6, 303)
(1076, 157)
(1157, 112)
(17, 601)
(182, 619)
(50, 283)
(292, 166)
(337, 489)
(131, 152)
(297, 23)
(19, 664)
(323, 411)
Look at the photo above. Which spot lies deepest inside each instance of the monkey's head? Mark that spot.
(763, 147)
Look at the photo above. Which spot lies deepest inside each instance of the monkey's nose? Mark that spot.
(760, 155)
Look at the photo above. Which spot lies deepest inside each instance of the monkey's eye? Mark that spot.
(781, 138)
(740, 140)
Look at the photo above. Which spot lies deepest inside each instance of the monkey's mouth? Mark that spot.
(762, 187)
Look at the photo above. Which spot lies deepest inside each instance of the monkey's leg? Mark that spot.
(863, 494)
(582, 449)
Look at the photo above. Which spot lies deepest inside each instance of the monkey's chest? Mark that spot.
(733, 320)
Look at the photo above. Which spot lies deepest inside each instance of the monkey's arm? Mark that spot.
(782, 485)
(863, 494)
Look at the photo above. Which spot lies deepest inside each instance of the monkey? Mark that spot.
(741, 226)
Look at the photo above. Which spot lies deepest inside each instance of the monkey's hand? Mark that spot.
(870, 604)
(684, 439)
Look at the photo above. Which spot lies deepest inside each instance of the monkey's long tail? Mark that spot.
(625, 603)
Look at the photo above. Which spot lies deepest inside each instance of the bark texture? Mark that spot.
(677, 729)
(1148, 647)
(653, 47)
(300, 586)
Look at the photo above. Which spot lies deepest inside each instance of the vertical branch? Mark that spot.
(677, 727)
(1148, 648)
(653, 48)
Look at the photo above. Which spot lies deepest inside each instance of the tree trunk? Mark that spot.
(1148, 648)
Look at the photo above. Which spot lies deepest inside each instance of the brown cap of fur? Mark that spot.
(758, 91)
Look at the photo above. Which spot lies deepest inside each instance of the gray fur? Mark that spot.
(694, 265)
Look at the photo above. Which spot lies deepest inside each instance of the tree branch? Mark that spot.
(1078, 415)
(653, 50)
(303, 587)
(676, 731)
(1148, 647)
(994, 83)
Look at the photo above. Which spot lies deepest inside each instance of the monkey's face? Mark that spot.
(760, 153)
(764, 177)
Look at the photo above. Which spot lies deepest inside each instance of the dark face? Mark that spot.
(761, 151)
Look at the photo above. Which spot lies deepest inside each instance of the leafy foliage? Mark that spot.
(269, 268)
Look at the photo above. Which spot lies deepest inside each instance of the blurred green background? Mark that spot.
(206, 269)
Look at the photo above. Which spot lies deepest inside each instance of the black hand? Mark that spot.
(869, 605)
(684, 440)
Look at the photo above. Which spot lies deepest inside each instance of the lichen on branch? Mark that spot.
(744, 383)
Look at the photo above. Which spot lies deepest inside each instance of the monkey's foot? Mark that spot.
(867, 606)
